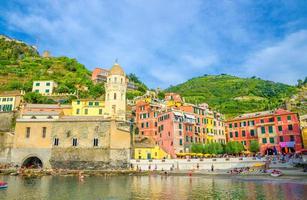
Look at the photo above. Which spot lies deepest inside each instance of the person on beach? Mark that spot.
(81, 177)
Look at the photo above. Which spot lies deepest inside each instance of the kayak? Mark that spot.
(3, 185)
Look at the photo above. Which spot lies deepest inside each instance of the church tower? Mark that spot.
(116, 87)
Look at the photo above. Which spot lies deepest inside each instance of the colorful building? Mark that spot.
(44, 87)
(276, 130)
(303, 123)
(148, 150)
(176, 128)
(88, 107)
(10, 101)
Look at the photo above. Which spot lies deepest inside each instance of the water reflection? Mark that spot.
(149, 187)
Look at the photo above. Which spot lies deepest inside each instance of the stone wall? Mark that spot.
(7, 121)
(89, 158)
(6, 143)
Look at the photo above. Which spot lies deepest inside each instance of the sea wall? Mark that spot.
(6, 143)
(194, 164)
(89, 158)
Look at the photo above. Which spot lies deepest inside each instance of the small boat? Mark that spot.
(276, 173)
(3, 185)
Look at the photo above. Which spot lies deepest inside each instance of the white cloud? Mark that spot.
(163, 42)
(284, 61)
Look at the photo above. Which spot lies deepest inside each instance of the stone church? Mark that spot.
(50, 139)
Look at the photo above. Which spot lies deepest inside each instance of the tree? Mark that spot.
(161, 95)
(34, 97)
(254, 146)
(97, 90)
(234, 147)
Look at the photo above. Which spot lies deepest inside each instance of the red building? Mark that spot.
(274, 130)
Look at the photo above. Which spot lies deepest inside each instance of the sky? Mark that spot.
(168, 42)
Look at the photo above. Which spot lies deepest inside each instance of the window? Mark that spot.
(252, 132)
(262, 121)
(281, 138)
(37, 84)
(44, 131)
(156, 124)
(90, 103)
(243, 133)
(279, 128)
(271, 119)
(235, 124)
(230, 135)
(271, 140)
(48, 84)
(244, 123)
(147, 124)
(180, 126)
(28, 130)
(237, 134)
(180, 142)
(289, 117)
(264, 140)
(78, 102)
(85, 111)
(56, 142)
(114, 96)
(36, 90)
(270, 129)
(78, 111)
(142, 125)
(290, 127)
(253, 123)
(230, 125)
(291, 138)
(186, 138)
(100, 111)
(95, 142)
(96, 103)
(115, 79)
(262, 129)
(74, 142)
(279, 118)
(47, 91)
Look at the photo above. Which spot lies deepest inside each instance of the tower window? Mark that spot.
(115, 80)
(114, 96)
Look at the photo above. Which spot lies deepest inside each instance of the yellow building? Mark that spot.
(88, 107)
(149, 152)
(209, 128)
(303, 122)
(10, 101)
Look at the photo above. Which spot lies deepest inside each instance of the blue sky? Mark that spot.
(168, 42)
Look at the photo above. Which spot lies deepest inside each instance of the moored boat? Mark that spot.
(276, 173)
(3, 185)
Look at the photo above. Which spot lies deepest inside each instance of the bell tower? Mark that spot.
(115, 98)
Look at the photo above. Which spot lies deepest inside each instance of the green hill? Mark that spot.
(232, 95)
(21, 64)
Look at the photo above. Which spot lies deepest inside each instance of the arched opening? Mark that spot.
(32, 162)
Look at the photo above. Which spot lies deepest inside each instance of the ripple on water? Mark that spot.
(149, 187)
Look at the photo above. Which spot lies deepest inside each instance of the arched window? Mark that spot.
(115, 79)
(121, 80)
(114, 96)
(108, 96)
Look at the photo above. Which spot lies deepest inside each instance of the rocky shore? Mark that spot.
(35, 173)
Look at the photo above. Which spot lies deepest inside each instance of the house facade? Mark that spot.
(276, 130)
(44, 87)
